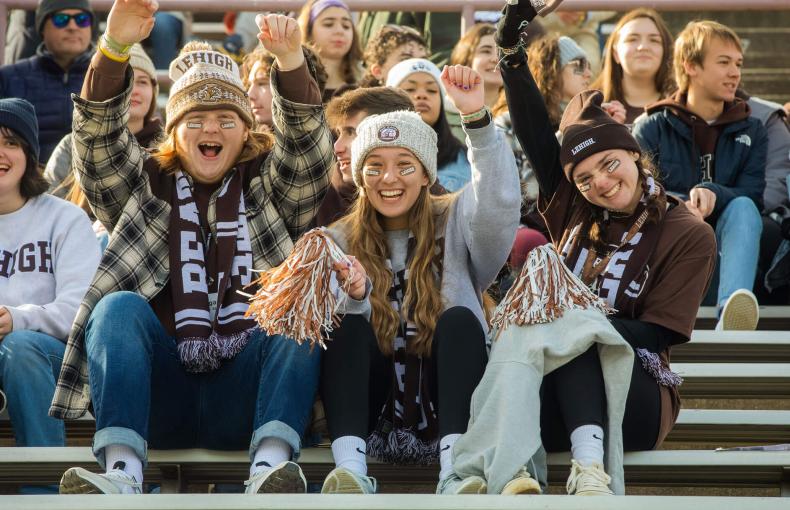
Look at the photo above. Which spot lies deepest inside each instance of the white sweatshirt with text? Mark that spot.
(48, 255)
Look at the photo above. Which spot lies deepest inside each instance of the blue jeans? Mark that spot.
(165, 39)
(29, 366)
(738, 231)
(142, 394)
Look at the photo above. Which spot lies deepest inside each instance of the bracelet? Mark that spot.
(112, 56)
(468, 118)
(112, 46)
(512, 50)
(538, 4)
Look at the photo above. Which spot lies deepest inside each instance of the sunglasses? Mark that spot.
(580, 65)
(82, 19)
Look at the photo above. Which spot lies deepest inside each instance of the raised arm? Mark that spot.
(488, 208)
(107, 158)
(526, 105)
(296, 175)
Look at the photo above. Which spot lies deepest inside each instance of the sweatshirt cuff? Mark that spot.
(297, 85)
(105, 78)
(19, 319)
(359, 306)
(482, 136)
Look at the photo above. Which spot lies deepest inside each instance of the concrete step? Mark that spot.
(711, 346)
(382, 502)
(176, 468)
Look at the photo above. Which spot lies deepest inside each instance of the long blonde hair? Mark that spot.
(368, 242)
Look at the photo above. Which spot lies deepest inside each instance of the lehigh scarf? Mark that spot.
(620, 280)
(407, 430)
(209, 313)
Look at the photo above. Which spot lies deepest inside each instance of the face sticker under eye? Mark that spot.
(584, 188)
(194, 124)
(228, 125)
(408, 171)
(613, 166)
(373, 172)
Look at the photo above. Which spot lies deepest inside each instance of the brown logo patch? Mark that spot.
(388, 134)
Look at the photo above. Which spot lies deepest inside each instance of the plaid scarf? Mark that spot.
(209, 313)
(407, 430)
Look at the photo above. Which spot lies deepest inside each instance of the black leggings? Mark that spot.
(356, 377)
(574, 395)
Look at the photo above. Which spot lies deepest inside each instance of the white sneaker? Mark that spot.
(589, 480)
(740, 312)
(455, 485)
(285, 477)
(345, 481)
(522, 483)
(81, 481)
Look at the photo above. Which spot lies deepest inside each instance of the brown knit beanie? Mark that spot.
(205, 79)
(587, 129)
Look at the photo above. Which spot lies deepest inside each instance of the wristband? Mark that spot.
(113, 49)
(468, 118)
(538, 4)
(112, 56)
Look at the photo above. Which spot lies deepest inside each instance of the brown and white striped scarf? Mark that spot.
(209, 312)
(407, 430)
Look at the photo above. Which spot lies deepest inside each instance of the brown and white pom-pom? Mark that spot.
(544, 289)
(295, 299)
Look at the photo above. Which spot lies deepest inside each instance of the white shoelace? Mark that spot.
(592, 475)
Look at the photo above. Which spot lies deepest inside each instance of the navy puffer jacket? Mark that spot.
(44, 83)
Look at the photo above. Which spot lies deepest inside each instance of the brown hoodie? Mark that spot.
(704, 135)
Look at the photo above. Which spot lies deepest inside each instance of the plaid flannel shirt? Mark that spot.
(281, 200)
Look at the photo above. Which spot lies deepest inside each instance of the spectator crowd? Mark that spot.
(525, 187)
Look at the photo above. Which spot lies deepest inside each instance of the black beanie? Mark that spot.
(587, 129)
(48, 7)
(19, 116)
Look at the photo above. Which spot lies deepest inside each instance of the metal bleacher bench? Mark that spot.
(175, 468)
(735, 347)
(385, 502)
(771, 317)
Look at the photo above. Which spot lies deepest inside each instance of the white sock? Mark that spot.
(587, 445)
(349, 453)
(446, 455)
(270, 452)
(122, 457)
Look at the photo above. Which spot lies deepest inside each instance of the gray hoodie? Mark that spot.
(480, 229)
(777, 166)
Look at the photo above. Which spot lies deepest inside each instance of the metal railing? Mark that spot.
(466, 7)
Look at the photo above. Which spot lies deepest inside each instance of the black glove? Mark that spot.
(508, 28)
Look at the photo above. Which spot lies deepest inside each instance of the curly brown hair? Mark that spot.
(543, 57)
(388, 39)
(610, 81)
